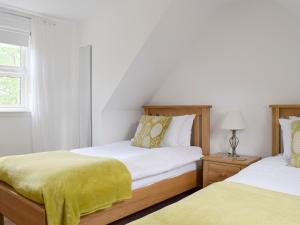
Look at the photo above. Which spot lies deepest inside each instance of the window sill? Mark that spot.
(15, 111)
(12, 109)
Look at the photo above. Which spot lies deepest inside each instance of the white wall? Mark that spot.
(177, 31)
(244, 56)
(117, 33)
(247, 58)
(126, 78)
(162, 49)
(118, 124)
(15, 133)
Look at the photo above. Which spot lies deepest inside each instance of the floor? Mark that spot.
(143, 212)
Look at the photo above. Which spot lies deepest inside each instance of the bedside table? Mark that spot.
(218, 167)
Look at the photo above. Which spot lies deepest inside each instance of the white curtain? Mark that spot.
(53, 86)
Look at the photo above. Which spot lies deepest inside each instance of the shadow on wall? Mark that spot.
(119, 125)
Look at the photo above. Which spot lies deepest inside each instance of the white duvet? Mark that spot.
(143, 162)
(271, 173)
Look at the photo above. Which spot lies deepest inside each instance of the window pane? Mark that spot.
(10, 55)
(10, 90)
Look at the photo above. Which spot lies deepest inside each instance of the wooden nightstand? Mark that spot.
(218, 167)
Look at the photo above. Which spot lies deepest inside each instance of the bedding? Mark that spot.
(144, 167)
(256, 190)
(186, 131)
(179, 131)
(295, 161)
(143, 163)
(272, 173)
(143, 182)
(151, 131)
(174, 131)
(286, 129)
(294, 117)
(285, 125)
(68, 184)
(228, 203)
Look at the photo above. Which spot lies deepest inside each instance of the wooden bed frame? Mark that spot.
(22, 211)
(280, 111)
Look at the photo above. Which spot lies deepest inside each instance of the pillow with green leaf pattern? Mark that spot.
(295, 161)
(151, 131)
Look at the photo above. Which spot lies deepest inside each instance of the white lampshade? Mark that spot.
(234, 121)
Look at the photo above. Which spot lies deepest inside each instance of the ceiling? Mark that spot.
(75, 10)
(78, 10)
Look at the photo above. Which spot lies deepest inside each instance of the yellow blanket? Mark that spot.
(68, 184)
(228, 203)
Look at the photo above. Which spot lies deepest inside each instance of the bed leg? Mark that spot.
(1, 219)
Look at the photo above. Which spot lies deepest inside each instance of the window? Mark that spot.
(14, 51)
(12, 76)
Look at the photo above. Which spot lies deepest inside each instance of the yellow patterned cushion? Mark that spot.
(151, 131)
(295, 162)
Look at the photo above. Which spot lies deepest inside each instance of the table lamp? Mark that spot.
(234, 121)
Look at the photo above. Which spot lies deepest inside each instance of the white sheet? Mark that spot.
(143, 162)
(271, 173)
(167, 175)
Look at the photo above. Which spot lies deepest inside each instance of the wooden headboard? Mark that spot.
(201, 126)
(280, 111)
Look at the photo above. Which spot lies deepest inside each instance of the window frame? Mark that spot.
(22, 73)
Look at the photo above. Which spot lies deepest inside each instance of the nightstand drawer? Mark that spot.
(218, 172)
(218, 167)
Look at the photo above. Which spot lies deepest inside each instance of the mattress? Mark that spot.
(167, 175)
(272, 173)
(148, 166)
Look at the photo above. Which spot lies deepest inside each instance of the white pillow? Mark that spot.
(173, 133)
(286, 130)
(186, 131)
(179, 132)
(286, 138)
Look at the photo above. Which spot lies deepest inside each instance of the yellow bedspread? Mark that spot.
(228, 203)
(68, 184)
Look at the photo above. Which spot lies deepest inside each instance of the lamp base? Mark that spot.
(234, 157)
(229, 154)
(234, 141)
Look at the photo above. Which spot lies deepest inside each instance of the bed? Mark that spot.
(149, 167)
(265, 193)
(149, 188)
